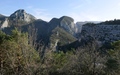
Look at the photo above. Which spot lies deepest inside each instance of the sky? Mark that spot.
(79, 10)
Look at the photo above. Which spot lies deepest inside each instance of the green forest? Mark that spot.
(18, 56)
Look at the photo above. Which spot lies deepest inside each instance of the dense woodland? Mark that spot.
(19, 55)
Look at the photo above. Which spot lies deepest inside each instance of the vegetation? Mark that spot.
(90, 24)
(59, 33)
(19, 57)
(111, 22)
(16, 56)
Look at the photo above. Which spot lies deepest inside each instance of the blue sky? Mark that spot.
(80, 10)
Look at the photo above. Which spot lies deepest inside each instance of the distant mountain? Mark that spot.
(2, 17)
(20, 17)
(61, 33)
(68, 24)
(56, 32)
(64, 22)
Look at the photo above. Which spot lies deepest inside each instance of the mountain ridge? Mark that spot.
(64, 27)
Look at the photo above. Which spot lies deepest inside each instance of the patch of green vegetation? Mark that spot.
(112, 22)
(63, 37)
(16, 55)
(90, 24)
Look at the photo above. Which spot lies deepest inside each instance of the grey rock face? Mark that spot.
(78, 26)
(22, 16)
(18, 18)
(5, 23)
(104, 33)
(68, 24)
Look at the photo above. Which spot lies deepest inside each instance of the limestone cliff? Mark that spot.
(104, 33)
(5, 23)
(20, 17)
(68, 24)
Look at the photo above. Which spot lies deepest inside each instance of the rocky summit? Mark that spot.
(22, 16)
(18, 18)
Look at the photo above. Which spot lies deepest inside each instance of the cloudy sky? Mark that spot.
(80, 10)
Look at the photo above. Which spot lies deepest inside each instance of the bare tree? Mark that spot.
(86, 61)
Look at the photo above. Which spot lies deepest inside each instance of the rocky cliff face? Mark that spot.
(18, 18)
(65, 22)
(78, 25)
(68, 24)
(62, 31)
(5, 23)
(22, 15)
(104, 33)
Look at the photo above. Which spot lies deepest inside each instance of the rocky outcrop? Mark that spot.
(18, 18)
(68, 24)
(5, 23)
(22, 16)
(78, 25)
(65, 22)
(104, 33)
